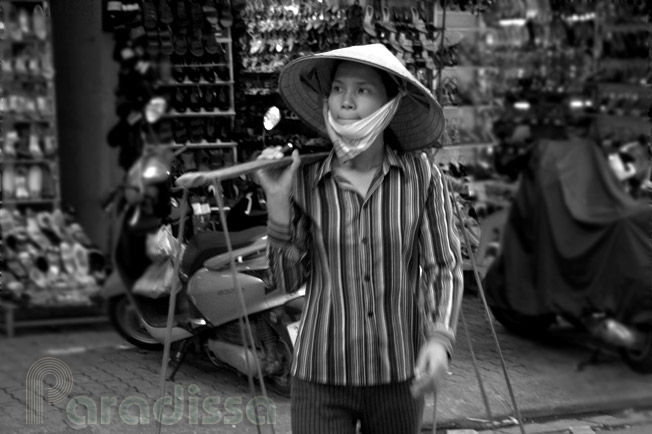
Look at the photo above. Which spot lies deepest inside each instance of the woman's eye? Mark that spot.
(336, 89)
(363, 91)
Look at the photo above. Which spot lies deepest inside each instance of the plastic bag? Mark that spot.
(162, 245)
(157, 280)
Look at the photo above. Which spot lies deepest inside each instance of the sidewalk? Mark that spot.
(115, 387)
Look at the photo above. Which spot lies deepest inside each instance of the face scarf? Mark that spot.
(353, 139)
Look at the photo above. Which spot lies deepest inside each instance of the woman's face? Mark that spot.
(356, 92)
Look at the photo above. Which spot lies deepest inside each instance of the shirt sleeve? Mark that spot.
(288, 247)
(441, 264)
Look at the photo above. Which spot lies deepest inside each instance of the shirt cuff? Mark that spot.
(442, 334)
(279, 234)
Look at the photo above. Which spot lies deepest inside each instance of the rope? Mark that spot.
(483, 391)
(171, 308)
(489, 319)
(236, 284)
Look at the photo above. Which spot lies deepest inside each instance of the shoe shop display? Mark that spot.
(29, 126)
(33, 268)
(48, 260)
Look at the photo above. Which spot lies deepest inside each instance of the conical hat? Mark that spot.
(306, 81)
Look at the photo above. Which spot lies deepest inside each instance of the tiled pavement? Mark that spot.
(120, 386)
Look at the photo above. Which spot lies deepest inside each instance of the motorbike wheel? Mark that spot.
(126, 321)
(523, 325)
(639, 359)
(281, 382)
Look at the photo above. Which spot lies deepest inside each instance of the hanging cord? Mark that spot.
(236, 284)
(171, 308)
(487, 312)
(483, 391)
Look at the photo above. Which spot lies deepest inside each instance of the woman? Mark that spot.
(370, 231)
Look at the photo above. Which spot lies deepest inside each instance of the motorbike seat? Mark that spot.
(205, 245)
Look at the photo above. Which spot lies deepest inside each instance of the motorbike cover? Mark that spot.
(575, 242)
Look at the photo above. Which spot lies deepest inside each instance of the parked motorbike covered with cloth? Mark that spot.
(208, 312)
(576, 246)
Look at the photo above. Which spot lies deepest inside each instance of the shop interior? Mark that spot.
(76, 84)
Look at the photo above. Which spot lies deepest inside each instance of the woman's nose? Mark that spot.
(347, 100)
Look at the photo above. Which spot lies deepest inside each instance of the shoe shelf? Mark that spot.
(198, 83)
(14, 316)
(190, 114)
(205, 145)
(29, 156)
(6, 201)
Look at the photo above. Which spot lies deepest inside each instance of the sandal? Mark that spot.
(182, 13)
(164, 12)
(226, 17)
(210, 43)
(211, 12)
(196, 43)
(165, 40)
(180, 42)
(196, 13)
(367, 23)
(150, 15)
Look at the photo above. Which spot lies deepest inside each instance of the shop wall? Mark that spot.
(86, 76)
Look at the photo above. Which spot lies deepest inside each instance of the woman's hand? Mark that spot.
(432, 364)
(277, 184)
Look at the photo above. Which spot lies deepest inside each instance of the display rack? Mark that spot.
(30, 159)
(45, 280)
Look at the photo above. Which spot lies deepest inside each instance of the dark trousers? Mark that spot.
(385, 409)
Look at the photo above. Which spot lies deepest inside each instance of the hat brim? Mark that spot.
(305, 82)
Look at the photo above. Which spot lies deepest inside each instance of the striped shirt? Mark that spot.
(382, 273)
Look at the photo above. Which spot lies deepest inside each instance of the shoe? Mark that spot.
(35, 181)
(223, 99)
(10, 144)
(211, 127)
(211, 12)
(210, 99)
(180, 132)
(196, 43)
(225, 15)
(196, 130)
(20, 184)
(208, 74)
(195, 99)
(181, 13)
(150, 14)
(34, 147)
(165, 15)
(180, 103)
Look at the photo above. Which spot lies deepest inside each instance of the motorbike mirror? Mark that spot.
(272, 118)
(155, 108)
(155, 169)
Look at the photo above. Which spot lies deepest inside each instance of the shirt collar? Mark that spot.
(391, 159)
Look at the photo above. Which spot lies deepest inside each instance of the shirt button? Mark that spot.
(370, 313)
(364, 240)
(367, 278)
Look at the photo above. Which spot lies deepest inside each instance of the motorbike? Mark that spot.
(208, 315)
(574, 249)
